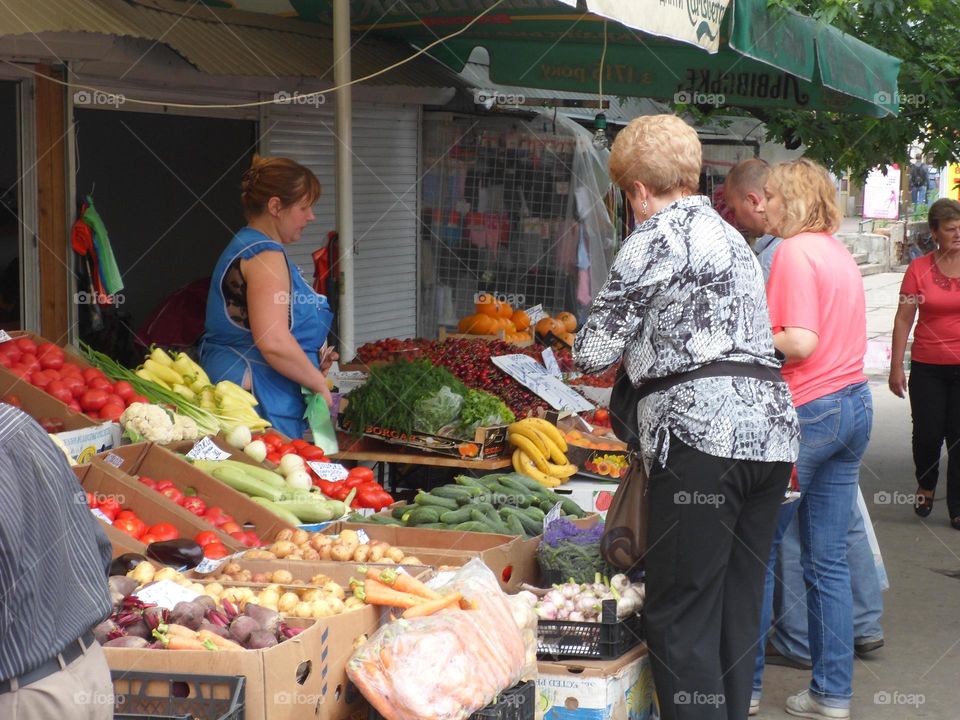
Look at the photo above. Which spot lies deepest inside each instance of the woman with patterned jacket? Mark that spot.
(686, 295)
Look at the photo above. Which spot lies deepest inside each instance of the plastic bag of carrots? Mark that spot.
(448, 664)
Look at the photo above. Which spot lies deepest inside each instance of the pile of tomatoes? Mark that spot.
(278, 446)
(370, 494)
(85, 390)
(213, 514)
(127, 521)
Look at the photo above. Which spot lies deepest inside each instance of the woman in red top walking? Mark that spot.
(932, 286)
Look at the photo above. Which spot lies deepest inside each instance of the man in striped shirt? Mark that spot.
(54, 560)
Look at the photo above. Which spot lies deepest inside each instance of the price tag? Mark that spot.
(328, 471)
(362, 537)
(98, 513)
(534, 376)
(4, 337)
(550, 362)
(554, 514)
(114, 460)
(165, 593)
(536, 314)
(209, 565)
(206, 449)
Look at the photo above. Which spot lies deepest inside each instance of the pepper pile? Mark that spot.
(369, 492)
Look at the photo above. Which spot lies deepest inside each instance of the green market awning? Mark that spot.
(700, 51)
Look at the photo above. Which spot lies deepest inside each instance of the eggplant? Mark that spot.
(123, 564)
(181, 553)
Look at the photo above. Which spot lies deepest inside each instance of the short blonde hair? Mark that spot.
(809, 197)
(661, 151)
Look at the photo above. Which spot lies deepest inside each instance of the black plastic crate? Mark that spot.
(171, 696)
(605, 640)
(517, 703)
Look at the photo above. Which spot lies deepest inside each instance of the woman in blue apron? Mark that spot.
(265, 326)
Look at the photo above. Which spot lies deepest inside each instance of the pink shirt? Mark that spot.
(815, 284)
(937, 337)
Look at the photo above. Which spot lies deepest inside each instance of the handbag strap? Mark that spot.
(723, 368)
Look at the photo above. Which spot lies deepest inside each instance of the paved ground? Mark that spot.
(917, 674)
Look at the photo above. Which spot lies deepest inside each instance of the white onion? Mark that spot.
(528, 598)
(577, 617)
(620, 581)
(548, 611)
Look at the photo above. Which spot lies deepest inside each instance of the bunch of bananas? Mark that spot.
(539, 452)
(227, 401)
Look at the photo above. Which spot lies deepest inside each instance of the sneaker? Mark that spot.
(862, 647)
(754, 707)
(804, 705)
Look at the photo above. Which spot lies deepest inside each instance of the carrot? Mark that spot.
(376, 593)
(175, 642)
(222, 643)
(432, 606)
(175, 630)
(374, 694)
(403, 582)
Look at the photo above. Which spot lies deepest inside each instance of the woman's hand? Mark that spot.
(327, 358)
(897, 381)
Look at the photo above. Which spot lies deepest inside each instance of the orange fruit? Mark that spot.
(486, 326)
(509, 326)
(506, 311)
(520, 319)
(544, 326)
(569, 321)
(487, 304)
(566, 337)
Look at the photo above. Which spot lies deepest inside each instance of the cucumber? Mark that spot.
(530, 526)
(455, 517)
(532, 485)
(434, 526)
(242, 482)
(569, 507)
(465, 481)
(515, 526)
(421, 514)
(384, 520)
(474, 526)
(535, 513)
(490, 518)
(423, 498)
(285, 515)
(456, 492)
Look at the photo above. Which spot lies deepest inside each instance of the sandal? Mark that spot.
(924, 504)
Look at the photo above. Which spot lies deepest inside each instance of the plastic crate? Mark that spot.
(605, 640)
(139, 695)
(517, 703)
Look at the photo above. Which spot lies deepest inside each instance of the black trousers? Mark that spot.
(935, 407)
(711, 528)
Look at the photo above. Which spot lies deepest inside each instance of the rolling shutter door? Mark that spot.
(386, 152)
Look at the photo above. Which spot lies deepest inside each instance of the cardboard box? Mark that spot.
(487, 442)
(620, 689)
(83, 436)
(304, 677)
(121, 542)
(158, 463)
(150, 506)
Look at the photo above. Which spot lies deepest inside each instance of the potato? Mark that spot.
(395, 554)
(386, 561)
(166, 573)
(376, 553)
(321, 609)
(281, 576)
(283, 548)
(288, 601)
(311, 595)
(361, 553)
(352, 602)
(214, 589)
(232, 568)
(349, 536)
(266, 598)
(273, 587)
(336, 605)
(326, 552)
(310, 554)
(318, 541)
(197, 588)
(410, 560)
(285, 534)
(297, 555)
(300, 537)
(271, 606)
(334, 590)
(244, 576)
(233, 595)
(260, 578)
(303, 610)
(259, 555)
(341, 553)
(320, 580)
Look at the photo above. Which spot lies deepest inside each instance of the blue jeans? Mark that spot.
(790, 604)
(834, 433)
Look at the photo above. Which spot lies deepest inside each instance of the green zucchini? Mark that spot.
(285, 515)
(310, 511)
(245, 483)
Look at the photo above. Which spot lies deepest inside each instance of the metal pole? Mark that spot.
(344, 172)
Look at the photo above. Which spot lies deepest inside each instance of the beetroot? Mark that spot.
(139, 629)
(127, 641)
(216, 629)
(261, 640)
(103, 631)
(266, 618)
(188, 614)
(206, 602)
(243, 627)
(122, 584)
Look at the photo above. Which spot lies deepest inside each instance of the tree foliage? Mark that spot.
(925, 34)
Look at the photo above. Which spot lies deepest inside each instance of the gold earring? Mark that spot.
(643, 207)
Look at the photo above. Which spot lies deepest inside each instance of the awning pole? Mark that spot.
(344, 169)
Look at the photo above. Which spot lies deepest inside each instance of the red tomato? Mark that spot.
(139, 399)
(50, 356)
(129, 526)
(10, 350)
(286, 449)
(124, 389)
(299, 443)
(164, 531)
(174, 494)
(230, 527)
(93, 400)
(59, 391)
(74, 384)
(75, 406)
(30, 361)
(163, 485)
(91, 500)
(21, 372)
(71, 369)
(147, 539)
(195, 505)
(206, 537)
(363, 473)
(41, 378)
(100, 383)
(272, 440)
(114, 399)
(91, 374)
(311, 452)
(215, 550)
(111, 412)
(215, 515)
(149, 482)
(26, 346)
(5, 361)
(273, 457)
(109, 507)
(253, 540)
(13, 400)
(126, 514)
